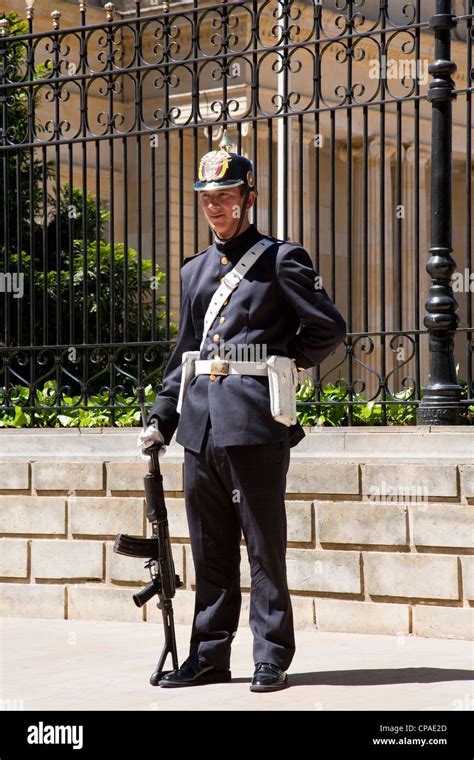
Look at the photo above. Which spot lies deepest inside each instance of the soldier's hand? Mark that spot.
(148, 437)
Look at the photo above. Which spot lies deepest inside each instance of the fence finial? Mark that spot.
(55, 15)
(4, 24)
(226, 143)
(82, 6)
(30, 11)
(165, 6)
(109, 11)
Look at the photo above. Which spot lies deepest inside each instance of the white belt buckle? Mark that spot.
(231, 279)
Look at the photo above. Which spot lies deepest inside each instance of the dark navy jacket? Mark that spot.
(271, 303)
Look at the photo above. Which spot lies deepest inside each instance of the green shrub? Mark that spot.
(123, 412)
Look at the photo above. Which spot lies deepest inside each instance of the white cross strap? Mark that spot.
(231, 281)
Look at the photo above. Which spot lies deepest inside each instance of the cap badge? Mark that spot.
(213, 165)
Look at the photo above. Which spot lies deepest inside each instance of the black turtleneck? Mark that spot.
(240, 244)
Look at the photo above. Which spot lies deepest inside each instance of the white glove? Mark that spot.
(149, 436)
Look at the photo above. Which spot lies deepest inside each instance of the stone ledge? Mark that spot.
(369, 443)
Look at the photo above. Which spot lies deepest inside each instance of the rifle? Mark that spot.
(157, 549)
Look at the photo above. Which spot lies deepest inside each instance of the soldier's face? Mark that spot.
(222, 209)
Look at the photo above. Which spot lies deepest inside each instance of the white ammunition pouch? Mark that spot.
(187, 373)
(282, 382)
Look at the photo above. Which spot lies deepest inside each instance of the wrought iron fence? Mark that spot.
(102, 125)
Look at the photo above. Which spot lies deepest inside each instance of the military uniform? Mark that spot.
(236, 455)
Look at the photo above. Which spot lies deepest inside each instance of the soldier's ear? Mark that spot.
(250, 199)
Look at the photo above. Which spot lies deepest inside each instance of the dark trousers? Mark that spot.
(229, 489)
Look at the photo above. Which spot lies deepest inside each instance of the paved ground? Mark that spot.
(91, 665)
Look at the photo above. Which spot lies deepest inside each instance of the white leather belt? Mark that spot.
(229, 367)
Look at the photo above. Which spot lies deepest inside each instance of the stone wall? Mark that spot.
(357, 560)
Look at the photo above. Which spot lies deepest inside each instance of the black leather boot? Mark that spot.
(268, 677)
(194, 671)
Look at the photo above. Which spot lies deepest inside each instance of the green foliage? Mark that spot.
(79, 287)
(80, 218)
(126, 413)
(99, 274)
(336, 412)
(69, 415)
(17, 200)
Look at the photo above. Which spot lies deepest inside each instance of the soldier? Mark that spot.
(236, 451)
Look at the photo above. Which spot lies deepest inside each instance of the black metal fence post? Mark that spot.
(441, 398)
(4, 30)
